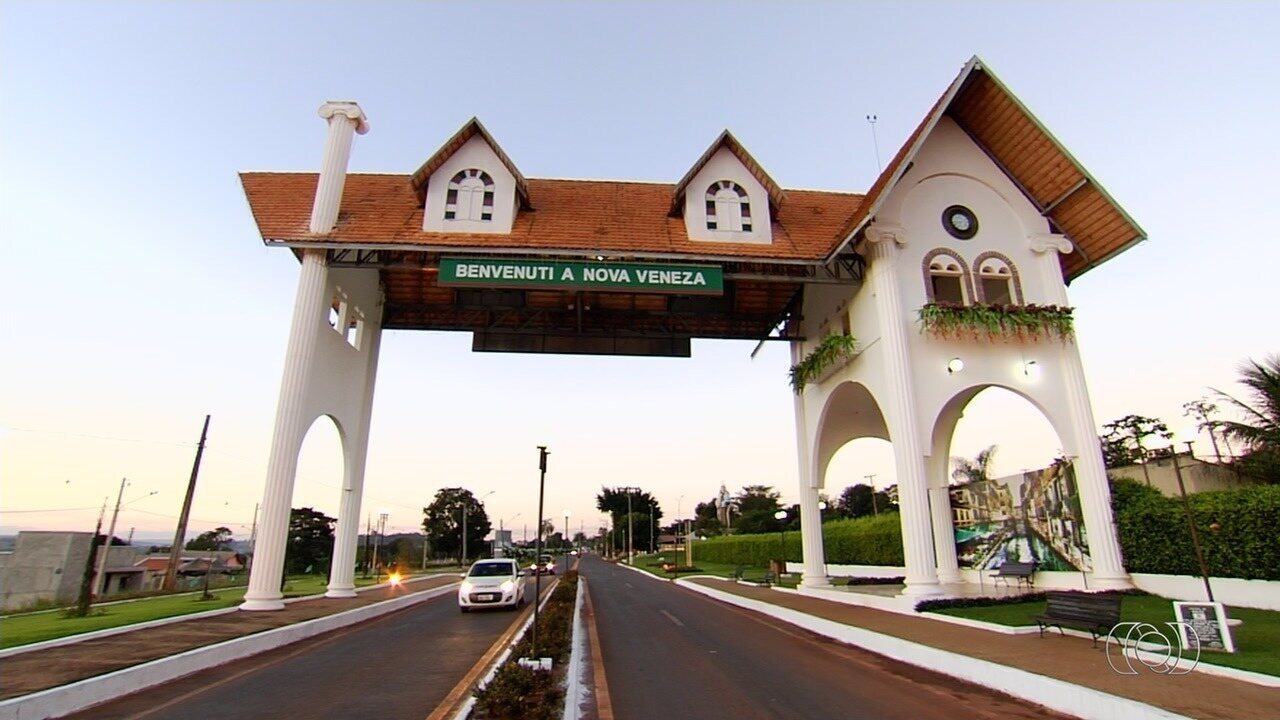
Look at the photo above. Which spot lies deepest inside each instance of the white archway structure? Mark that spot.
(980, 188)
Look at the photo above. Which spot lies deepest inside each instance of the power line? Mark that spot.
(48, 510)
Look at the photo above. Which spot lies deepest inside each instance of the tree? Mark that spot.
(310, 541)
(1126, 435)
(1202, 411)
(975, 470)
(757, 498)
(857, 501)
(614, 502)
(1259, 431)
(216, 539)
(442, 521)
(705, 520)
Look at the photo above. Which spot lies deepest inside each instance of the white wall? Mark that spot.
(724, 165)
(475, 153)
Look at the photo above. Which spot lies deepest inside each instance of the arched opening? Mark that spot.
(317, 487)
(1011, 495)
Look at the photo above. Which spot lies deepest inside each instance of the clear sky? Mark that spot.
(141, 297)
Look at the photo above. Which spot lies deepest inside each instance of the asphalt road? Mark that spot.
(400, 665)
(669, 652)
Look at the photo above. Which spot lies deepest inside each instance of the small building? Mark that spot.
(44, 566)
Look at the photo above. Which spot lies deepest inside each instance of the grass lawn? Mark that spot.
(652, 564)
(1257, 640)
(37, 627)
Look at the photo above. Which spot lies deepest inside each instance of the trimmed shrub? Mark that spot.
(875, 540)
(1239, 532)
(1038, 596)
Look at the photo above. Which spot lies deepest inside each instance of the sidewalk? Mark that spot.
(1069, 659)
(56, 666)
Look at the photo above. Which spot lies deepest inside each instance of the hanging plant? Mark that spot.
(833, 350)
(1008, 322)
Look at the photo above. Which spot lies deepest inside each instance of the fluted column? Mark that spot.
(944, 534)
(811, 545)
(900, 406)
(1091, 473)
(344, 118)
(292, 421)
(342, 578)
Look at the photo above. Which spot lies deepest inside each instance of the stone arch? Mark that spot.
(849, 412)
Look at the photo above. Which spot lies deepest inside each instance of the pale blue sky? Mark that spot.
(141, 296)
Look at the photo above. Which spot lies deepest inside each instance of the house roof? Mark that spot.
(1050, 178)
(469, 130)
(727, 140)
(572, 217)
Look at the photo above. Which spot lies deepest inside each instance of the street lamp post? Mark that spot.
(565, 536)
(631, 547)
(1191, 523)
(537, 557)
(781, 517)
(822, 505)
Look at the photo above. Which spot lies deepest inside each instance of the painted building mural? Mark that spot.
(1020, 518)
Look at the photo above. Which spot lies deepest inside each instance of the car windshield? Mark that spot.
(491, 569)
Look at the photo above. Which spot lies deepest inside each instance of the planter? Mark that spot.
(834, 352)
(1025, 323)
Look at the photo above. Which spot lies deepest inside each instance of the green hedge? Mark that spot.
(1239, 531)
(875, 540)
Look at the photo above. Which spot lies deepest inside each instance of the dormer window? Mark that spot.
(728, 207)
(946, 278)
(998, 280)
(469, 196)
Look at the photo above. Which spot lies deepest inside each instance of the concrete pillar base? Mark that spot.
(815, 581)
(1110, 583)
(921, 589)
(343, 592)
(263, 604)
(947, 577)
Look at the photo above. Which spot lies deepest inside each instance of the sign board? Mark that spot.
(571, 275)
(1203, 625)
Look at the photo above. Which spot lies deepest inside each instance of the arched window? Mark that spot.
(946, 278)
(728, 207)
(470, 196)
(998, 282)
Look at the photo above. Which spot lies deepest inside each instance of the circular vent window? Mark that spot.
(960, 222)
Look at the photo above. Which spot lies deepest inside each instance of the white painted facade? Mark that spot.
(899, 387)
(724, 165)
(475, 153)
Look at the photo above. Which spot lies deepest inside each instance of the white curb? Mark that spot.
(1055, 694)
(577, 693)
(66, 699)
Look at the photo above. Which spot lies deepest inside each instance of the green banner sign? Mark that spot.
(566, 275)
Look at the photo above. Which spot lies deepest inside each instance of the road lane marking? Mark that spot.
(672, 618)
(604, 702)
(460, 692)
(628, 584)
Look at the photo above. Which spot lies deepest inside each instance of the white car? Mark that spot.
(492, 583)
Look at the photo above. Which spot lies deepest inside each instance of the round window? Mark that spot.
(960, 222)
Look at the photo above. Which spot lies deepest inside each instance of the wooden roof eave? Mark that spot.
(468, 130)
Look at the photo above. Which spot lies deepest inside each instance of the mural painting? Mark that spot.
(1021, 518)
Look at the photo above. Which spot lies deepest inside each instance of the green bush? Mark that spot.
(875, 540)
(1239, 532)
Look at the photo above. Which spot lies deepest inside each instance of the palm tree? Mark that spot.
(976, 469)
(1259, 431)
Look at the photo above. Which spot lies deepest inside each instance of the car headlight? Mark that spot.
(508, 586)
(466, 587)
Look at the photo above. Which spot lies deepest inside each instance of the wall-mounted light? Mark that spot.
(1031, 369)
(955, 365)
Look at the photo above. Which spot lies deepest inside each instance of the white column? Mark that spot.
(342, 578)
(900, 411)
(344, 118)
(811, 545)
(944, 534)
(292, 421)
(1091, 473)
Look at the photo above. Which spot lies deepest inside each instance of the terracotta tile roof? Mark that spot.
(574, 216)
(1053, 180)
(727, 140)
(460, 138)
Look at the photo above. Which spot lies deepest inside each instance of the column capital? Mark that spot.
(1045, 242)
(349, 109)
(884, 232)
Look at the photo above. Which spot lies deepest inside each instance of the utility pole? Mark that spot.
(871, 480)
(463, 563)
(100, 582)
(1191, 523)
(537, 555)
(368, 535)
(631, 546)
(175, 552)
(253, 537)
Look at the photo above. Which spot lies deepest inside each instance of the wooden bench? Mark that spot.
(1020, 571)
(1085, 611)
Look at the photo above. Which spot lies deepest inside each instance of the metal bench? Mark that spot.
(1094, 612)
(1020, 571)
